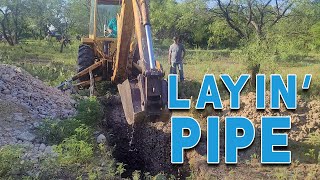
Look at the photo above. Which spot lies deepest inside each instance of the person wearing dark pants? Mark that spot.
(176, 55)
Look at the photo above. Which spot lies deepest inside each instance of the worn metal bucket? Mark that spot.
(145, 99)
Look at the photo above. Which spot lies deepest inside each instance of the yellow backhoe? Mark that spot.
(127, 61)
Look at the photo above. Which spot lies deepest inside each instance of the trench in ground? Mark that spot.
(144, 147)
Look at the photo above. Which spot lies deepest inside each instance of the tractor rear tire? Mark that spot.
(85, 60)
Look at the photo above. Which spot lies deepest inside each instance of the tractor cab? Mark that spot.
(103, 38)
(102, 14)
(101, 44)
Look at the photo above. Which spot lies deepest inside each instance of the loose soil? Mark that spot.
(147, 146)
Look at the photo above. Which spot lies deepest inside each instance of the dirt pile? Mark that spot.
(305, 119)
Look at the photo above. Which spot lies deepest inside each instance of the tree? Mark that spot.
(77, 16)
(253, 17)
(221, 35)
(188, 18)
(12, 19)
(164, 16)
(193, 23)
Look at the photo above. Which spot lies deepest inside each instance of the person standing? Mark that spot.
(176, 55)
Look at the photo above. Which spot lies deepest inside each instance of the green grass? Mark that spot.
(42, 59)
(201, 62)
(79, 155)
(11, 163)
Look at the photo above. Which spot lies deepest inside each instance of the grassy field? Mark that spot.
(201, 62)
(43, 60)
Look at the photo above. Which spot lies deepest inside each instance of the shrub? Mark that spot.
(54, 132)
(49, 168)
(11, 163)
(73, 151)
(83, 133)
(89, 111)
(314, 139)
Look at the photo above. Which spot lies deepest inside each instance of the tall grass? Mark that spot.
(42, 59)
(197, 63)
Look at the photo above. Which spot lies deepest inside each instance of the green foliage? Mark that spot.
(54, 132)
(11, 163)
(281, 173)
(222, 36)
(120, 169)
(136, 175)
(73, 151)
(89, 111)
(187, 18)
(89, 114)
(314, 140)
(312, 155)
(41, 59)
(12, 19)
(255, 55)
(84, 133)
(78, 157)
(315, 33)
(160, 177)
(49, 168)
(78, 14)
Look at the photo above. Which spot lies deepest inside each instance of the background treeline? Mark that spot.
(21, 19)
(209, 24)
(259, 32)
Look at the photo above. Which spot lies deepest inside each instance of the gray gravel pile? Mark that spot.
(42, 101)
(25, 102)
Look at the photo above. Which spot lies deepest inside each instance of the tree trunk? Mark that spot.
(254, 71)
(5, 35)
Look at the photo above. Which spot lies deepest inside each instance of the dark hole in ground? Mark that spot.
(144, 147)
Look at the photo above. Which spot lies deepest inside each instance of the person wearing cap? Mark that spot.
(176, 55)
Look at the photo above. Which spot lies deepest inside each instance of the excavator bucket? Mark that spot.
(145, 99)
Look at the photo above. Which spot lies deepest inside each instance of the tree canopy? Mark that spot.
(201, 23)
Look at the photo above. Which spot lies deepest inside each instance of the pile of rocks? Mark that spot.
(42, 101)
(25, 102)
